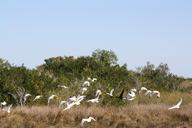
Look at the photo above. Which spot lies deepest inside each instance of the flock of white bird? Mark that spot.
(76, 100)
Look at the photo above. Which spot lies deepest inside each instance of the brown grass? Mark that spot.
(130, 116)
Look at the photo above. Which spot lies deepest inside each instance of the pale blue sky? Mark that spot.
(137, 31)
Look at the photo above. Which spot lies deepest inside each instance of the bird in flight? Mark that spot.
(88, 120)
(111, 93)
(177, 106)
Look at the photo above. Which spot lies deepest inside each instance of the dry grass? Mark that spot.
(143, 112)
(130, 116)
(186, 84)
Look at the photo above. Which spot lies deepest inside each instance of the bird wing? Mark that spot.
(172, 108)
(177, 105)
(148, 92)
(156, 93)
(82, 122)
(49, 99)
(35, 98)
(9, 107)
(93, 119)
(131, 94)
(65, 86)
(144, 88)
(131, 99)
(112, 91)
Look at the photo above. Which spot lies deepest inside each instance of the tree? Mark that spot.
(4, 64)
(105, 57)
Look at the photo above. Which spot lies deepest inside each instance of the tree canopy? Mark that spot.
(72, 71)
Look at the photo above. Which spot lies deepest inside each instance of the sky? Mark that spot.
(159, 31)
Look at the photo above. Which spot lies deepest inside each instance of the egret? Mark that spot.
(69, 106)
(143, 89)
(8, 109)
(131, 99)
(37, 97)
(152, 93)
(134, 90)
(26, 96)
(62, 103)
(177, 106)
(72, 99)
(3, 103)
(98, 93)
(94, 79)
(88, 120)
(131, 96)
(111, 93)
(50, 98)
(79, 99)
(84, 90)
(86, 83)
(96, 100)
(149, 93)
(157, 93)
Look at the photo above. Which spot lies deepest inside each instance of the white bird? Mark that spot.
(96, 100)
(3, 103)
(63, 86)
(131, 99)
(86, 83)
(72, 99)
(37, 97)
(69, 106)
(157, 93)
(50, 98)
(98, 93)
(148, 93)
(62, 103)
(111, 93)
(131, 96)
(79, 100)
(84, 90)
(143, 89)
(134, 90)
(94, 79)
(26, 96)
(177, 106)
(152, 93)
(88, 120)
(7, 109)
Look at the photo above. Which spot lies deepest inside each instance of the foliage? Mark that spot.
(72, 72)
(158, 77)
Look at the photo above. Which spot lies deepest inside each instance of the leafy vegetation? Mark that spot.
(72, 72)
